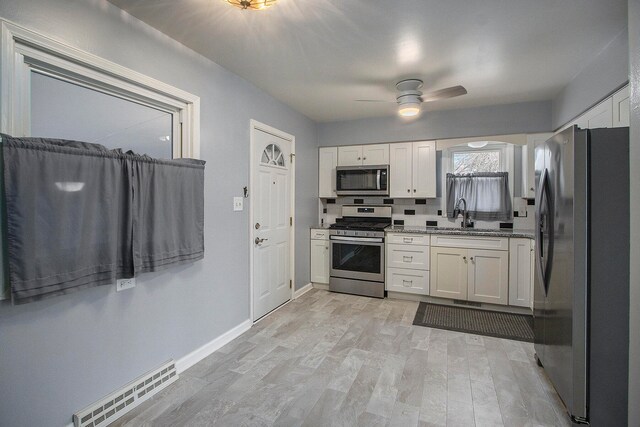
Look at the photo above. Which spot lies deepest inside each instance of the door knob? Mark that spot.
(259, 241)
(257, 225)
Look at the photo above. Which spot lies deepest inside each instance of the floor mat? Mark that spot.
(474, 321)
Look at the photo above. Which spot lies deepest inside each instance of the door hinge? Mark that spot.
(291, 156)
(291, 221)
(290, 283)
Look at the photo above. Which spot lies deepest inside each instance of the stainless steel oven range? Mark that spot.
(357, 250)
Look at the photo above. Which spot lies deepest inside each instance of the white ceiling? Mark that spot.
(319, 56)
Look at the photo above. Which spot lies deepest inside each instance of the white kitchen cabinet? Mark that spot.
(407, 281)
(319, 256)
(412, 171)
(449, 273)
(488, 276)
(529, 163)
(470, 268)
(407, 263)
(375, 154)
(408, 256)
(620, 102)
(400, 170)
(350, 155)
(363, 155)
(600, 116)
(327, 162)
(520, 272)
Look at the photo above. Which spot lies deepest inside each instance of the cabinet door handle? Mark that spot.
(358, 158)
(410, 282)
(407, 239)
(404, 258)
(414, 190)
(471, 258)
(408, 190)
(364, 158)
(464, 258)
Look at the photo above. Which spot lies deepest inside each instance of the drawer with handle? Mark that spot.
(317, 234)
(408, 239)
(407, 281)
(406, 256)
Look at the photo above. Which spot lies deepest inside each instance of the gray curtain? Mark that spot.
(79, 215)
(487, 195)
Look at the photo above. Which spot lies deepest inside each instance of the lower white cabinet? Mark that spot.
(407, 263)
(468, 273)
(488, 276)
(449, 273)
(319, 256)
(408, 281)
(520, 272)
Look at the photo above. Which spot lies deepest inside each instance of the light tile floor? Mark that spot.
(330, 359)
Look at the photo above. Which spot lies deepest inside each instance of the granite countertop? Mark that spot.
(503, 232)
(320, 227)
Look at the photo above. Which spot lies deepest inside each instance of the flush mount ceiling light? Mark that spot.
(478, 144)
(251, 4)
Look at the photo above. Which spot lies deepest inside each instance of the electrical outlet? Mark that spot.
(238, 203)
(123, 284)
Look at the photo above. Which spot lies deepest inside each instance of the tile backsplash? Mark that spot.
(416, 212)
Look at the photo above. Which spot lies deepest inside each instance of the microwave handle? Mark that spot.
(378, 180)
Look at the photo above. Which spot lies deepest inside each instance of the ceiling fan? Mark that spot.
(410, 96)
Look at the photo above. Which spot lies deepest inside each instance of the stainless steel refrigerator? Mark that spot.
(581, 297)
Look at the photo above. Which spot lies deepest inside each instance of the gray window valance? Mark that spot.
(487, 195)
(79, 215)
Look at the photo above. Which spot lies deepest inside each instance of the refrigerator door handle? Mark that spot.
(544, 230)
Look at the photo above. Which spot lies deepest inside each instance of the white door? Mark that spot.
(424, 169)
(350, 155)
(271, 198)
(377, 154)
(488, 276)
(400, 163)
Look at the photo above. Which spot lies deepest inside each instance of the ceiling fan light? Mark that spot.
(409, 110)
(478, 144)
(251, 4)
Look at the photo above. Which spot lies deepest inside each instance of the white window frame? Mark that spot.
(506, 164)
(23, 51)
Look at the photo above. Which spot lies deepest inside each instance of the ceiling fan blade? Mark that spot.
(373, 100)
(449, 92)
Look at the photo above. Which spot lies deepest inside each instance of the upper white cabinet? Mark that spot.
(412, 170)
(620, 101)
(327, 162)
(600, 116)
(529, 163)
(363, 155)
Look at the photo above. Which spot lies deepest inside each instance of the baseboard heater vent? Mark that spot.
(108, 409)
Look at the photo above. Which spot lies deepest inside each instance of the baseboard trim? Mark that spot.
(303, 290)
(197, 355)
(323, 286)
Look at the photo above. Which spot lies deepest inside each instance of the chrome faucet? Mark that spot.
(465, 214)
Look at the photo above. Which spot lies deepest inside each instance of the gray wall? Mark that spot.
(58, 355)
(634, 312)
(608, 71)
(494, 120)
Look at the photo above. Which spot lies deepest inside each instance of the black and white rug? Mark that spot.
(475, 321)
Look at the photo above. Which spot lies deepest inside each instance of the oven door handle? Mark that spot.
(378, 179)
(358, 239)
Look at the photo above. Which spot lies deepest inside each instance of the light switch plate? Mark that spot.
(238, 203)
(123, 284)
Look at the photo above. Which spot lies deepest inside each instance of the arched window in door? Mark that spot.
(272, 156)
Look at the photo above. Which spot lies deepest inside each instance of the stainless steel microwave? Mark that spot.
(362, 180)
